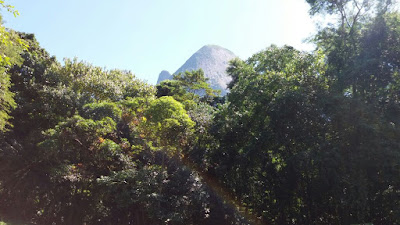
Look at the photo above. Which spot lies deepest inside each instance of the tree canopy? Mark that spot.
(301, 137)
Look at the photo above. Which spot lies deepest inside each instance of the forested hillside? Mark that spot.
(301, 137)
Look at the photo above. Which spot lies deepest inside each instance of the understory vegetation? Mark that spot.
(301, 137)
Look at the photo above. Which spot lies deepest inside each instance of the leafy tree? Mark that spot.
(188, 86)
(167, 123)
(377, 64)
(195, 82)
(98, 111)
(364, 68)
(341, 41)
(171, 88)
(289, 145)
(10, 47)
(274, 106)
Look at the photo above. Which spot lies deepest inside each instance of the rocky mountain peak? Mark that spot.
(214, 60)
(164, 75)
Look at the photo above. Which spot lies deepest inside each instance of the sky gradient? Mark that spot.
(149, 36)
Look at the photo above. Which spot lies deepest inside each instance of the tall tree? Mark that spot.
(10, 47)
(296, 152)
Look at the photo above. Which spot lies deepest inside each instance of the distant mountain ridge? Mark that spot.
(214, 60)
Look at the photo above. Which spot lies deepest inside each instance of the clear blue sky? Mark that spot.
(147, 36)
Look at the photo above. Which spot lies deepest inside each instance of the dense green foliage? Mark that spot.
(301, 138)
(10, 46)
(189, 86)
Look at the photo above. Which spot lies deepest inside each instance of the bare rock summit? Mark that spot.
(214, 60)
(164, 75)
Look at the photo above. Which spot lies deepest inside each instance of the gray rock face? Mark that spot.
(164, 75)
(214, 60)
